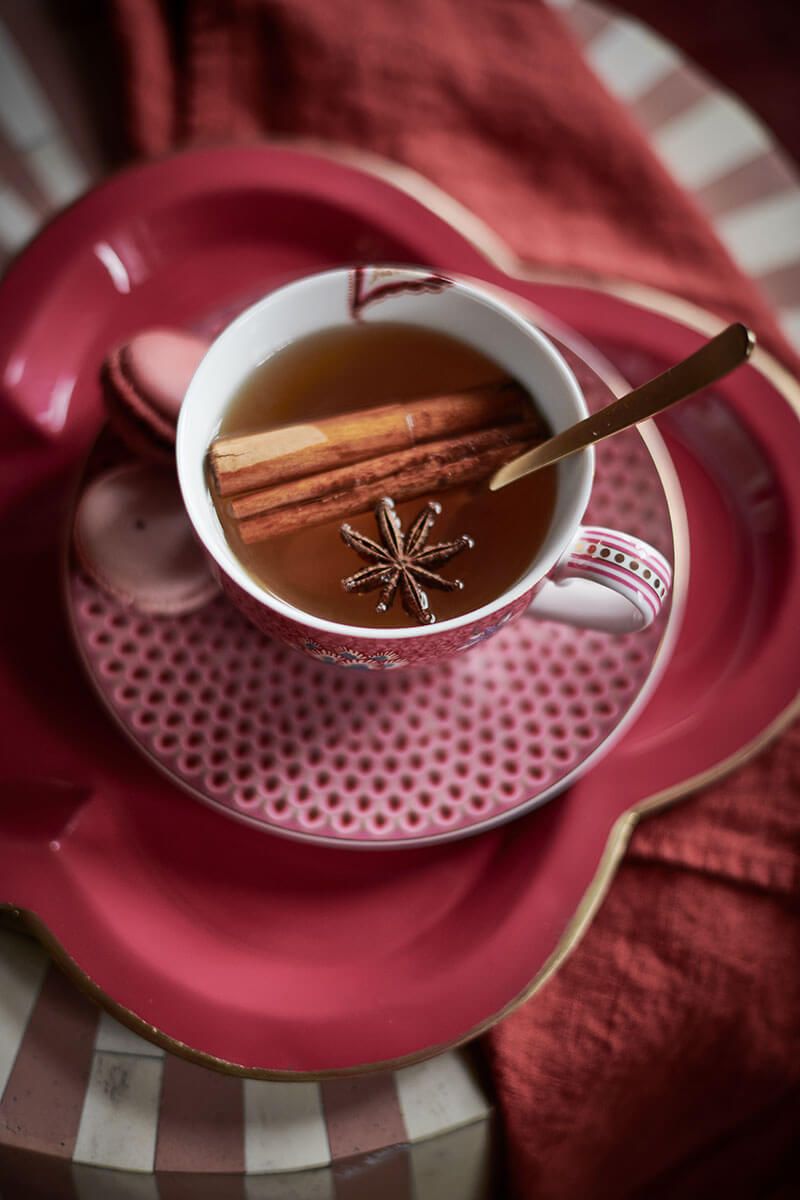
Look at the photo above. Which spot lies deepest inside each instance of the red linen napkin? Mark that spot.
(492, 101)
(664, 1058)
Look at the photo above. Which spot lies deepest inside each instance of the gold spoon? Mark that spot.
(711, 362)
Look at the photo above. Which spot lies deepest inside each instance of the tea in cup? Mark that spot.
(354, 420)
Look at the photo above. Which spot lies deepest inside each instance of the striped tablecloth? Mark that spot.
(86, 1104)
(89, 1110)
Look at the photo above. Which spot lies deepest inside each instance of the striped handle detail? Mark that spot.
(606, 580)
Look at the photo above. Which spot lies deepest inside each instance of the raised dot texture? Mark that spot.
(264, 731)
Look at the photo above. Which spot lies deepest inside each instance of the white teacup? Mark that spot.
(587, 576)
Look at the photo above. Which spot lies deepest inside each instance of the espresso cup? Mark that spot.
(588, 576)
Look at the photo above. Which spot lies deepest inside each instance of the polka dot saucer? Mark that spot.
(307, 749)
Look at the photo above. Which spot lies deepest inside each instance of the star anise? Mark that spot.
(403, 561)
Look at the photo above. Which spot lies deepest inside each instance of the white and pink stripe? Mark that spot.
(710, 142)
(633, 569)
(113, 1114)
(588, 568)
(631, 546)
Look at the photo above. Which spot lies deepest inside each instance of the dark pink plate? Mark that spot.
(271, 957)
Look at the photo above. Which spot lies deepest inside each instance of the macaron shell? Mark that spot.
(133, 538)
(129, 419)
(159, 365)
(144, 383)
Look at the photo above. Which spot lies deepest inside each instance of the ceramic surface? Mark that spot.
(278, 959)
(591, 592)
(287, 744)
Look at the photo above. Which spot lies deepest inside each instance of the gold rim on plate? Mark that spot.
(494, 249)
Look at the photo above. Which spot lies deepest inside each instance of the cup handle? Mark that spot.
(605, 580)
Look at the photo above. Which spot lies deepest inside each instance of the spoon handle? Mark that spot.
(711, 362)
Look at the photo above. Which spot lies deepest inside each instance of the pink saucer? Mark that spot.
(356, 757)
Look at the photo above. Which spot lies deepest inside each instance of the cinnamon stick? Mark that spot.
(246, 461)
(425, 457)
(437, 470)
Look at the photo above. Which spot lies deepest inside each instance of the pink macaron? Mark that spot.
(133, 538)
(144, 383)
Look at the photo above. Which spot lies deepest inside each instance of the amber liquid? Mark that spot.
(359, 366)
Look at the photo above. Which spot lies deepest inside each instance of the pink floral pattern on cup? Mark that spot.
(371, 653)
(343, 656)
(486, 631)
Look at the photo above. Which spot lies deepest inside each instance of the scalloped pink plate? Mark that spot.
(255, 952)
